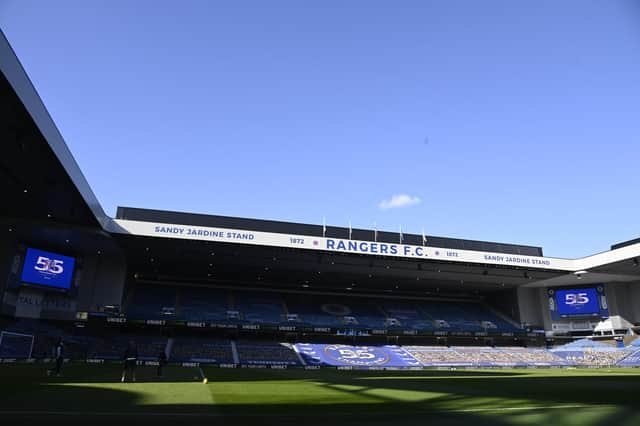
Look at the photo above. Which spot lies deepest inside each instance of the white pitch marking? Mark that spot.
(443, 411)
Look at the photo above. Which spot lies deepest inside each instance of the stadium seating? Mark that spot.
(259, 307)
(586, 352)
(263, 352)
(75, 347)
(45, 336)
(466, 316)
(201, 350)
(203, 304)
(311, 312)
(38, 339)
(107, 349)
(113, 347)
(633, 360)
(152, 302)
(483, 356)
(337, 312)
(15, 345)
(437, 356)
(534, 357)
(408, 314)
(208, 304)
(590, 357)
(456, 316)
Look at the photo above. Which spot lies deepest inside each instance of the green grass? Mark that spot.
(93, 395)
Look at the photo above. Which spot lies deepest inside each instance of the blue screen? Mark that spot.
(578, 301)
(47, 269)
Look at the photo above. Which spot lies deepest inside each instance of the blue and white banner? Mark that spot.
(355, 356)
(225, 235)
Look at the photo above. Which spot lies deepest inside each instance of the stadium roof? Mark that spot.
(48, 200)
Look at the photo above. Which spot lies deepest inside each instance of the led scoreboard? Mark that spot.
(577, 302)
(47, 269)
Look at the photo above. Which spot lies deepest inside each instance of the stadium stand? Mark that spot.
(152, 302)
(42, 337)
(590, 357)
(408, 315)
(585, 352)
(110, 349)
(633, 360)
(253, 307)
(75, 347)
(535, 357)
(15, 345)
(203, 304)
(466, 316)
(483, 356)
(337, 312)
(437, 356)
(113, 347)
(456, 316)
(264, 352)
(310, 312)
(22, 339)
(201, 350)
(259, 307)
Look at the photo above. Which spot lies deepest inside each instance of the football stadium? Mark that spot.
(239, 320)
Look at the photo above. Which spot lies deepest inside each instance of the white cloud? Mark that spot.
(399, 200)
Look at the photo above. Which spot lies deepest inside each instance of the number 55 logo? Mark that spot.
(576, 299)
(52, 266)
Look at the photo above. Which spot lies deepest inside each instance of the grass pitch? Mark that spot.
(93, 394)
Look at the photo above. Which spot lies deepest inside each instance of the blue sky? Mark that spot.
(513, 121)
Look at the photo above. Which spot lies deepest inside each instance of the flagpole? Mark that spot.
(349, 228)
(324, 227)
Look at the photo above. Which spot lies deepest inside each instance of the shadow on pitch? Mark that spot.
(27, 398)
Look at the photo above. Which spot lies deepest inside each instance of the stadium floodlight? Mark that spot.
(579, 274)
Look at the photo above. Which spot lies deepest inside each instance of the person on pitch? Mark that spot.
(130, 362)
(58, 356)
(162, 361)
